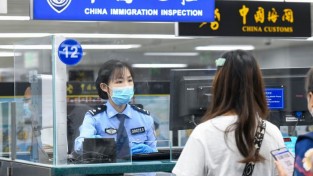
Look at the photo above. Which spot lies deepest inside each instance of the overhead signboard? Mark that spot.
(246, 18)
(124, 10)
(4, 6)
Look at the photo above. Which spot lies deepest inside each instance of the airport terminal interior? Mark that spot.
(173, 76)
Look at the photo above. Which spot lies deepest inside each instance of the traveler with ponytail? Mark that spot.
(234, 137)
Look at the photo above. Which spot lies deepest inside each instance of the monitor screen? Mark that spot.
(288, 102)
(190, 94)
(275, 97)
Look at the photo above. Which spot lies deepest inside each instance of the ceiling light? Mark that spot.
(224, 47)
(9, 54)
(172, 54)
(138, 36)
(83, 35)
(18, 18)
(130, 46)
(23, 35)
(25, 47)
(159, 65)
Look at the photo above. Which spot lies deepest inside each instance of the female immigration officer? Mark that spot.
(115, 83)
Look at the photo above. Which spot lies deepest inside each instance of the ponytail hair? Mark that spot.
(238, 88)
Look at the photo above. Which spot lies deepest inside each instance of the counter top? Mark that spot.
(116, 168)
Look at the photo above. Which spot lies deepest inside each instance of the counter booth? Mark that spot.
(40, 121)
(53, 88)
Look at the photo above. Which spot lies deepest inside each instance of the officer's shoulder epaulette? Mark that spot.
(97, 110)
(140, 109)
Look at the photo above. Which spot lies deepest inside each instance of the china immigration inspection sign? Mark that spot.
(124, 10)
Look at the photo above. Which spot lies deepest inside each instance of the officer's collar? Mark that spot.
(111, 112)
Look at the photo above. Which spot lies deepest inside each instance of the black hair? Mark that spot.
(238, 87)
(109, 71)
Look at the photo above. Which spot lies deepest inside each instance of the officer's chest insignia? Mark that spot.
(137, 130)
(111, 131)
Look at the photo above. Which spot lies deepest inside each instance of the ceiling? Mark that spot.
(21, 8)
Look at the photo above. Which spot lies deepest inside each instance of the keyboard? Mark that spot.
(160, 155)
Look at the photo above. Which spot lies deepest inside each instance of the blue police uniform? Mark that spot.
(102, 122)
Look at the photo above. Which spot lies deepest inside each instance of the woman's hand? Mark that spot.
(280, 169)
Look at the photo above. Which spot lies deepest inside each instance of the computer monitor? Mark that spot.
(290, 105)
(98, 150)
(189, 96)
(275, 97)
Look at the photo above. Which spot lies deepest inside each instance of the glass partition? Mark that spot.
(5, 130)
(34, 110)
(52, 98)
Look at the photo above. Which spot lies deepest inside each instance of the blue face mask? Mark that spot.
(122, 95)
(26, 110)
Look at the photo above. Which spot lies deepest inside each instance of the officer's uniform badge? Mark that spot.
(137, 130)
(111, 131)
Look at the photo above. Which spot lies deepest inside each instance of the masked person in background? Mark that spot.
(27, 112)
(24, 128)
(36, 141)
(131, 126)
(304, 146)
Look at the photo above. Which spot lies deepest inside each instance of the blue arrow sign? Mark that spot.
(125, 10)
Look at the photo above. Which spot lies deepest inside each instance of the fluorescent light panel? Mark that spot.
(224, 47)
(12, 54)
(172, 54)
(17, 18)
(137, 36)
(130, 46)
(83, 35)
(23, 35)
(9, 54)
(159, 65)
(6, 54)
(25, 47)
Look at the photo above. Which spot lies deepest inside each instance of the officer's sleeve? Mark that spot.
(151, 134)
(87, 130)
